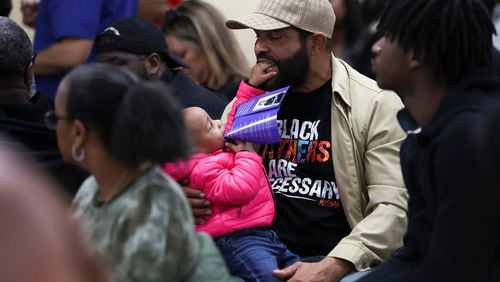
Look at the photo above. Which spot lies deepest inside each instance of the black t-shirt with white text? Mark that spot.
(310, 219)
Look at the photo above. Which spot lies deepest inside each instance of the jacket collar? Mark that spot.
(406, 121)
(340, 80)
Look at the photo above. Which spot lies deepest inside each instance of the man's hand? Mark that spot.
(328, 269)
(29, 10)
(200, 206)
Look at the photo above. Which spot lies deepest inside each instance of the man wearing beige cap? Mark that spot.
(335, 174)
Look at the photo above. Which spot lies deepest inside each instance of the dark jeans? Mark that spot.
(254, 253)
(391, 270)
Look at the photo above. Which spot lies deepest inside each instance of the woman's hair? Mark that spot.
(201, 24)
(450, 37)
(137, 121)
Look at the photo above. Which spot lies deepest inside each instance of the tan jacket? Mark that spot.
(367, 137)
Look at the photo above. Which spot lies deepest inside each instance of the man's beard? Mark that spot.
(292, 71)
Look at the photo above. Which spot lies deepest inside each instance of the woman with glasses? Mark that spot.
(119, 128)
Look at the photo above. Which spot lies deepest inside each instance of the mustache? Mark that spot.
(267, 57)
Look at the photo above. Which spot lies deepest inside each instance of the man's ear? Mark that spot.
(153, 65)
(414, 61)
(318, 43)
(28, 76)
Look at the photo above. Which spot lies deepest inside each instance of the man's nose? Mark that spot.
(260, 47)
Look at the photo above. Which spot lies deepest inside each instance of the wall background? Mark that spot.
(15, 14)
(229, 8)
(235, 8)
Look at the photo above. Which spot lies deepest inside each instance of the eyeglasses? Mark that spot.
(51, 119)
(33, 57)
(32, 60)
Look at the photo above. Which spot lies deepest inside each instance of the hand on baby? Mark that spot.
(262, 72)
(239, 146)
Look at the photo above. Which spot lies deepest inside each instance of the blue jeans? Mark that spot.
(253, 254)
(355, 276)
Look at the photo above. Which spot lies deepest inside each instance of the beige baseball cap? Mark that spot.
(308, 15)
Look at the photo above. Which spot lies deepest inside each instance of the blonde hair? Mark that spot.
(202, 24)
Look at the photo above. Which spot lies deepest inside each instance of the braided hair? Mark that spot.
(450, 37)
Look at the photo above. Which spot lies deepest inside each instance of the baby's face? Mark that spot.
(210, 132)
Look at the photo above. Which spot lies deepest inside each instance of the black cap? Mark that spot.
(137, 36)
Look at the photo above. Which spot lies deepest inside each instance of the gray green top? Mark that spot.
(147, 232)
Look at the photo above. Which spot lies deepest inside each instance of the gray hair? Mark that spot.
(15, 48)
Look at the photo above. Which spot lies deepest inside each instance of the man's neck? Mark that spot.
(157, 75)
(319, 74)
(13, 91)
(423, 100)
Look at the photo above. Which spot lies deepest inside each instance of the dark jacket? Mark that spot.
(454, 227)
(190, 94)
(229, 90)
(22, 122)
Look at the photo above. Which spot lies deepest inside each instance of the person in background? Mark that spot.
(335, 173)
(348, 26)
(64, 34)
(495, 53)
(360, 52)
(496, 21)
(441, 69)
(29, 11)
(40, 242)
(152, 10)
(360, 32)
(139, 46)
(173, 3)
(195, 31)
(5, 7)
(119, 128)
(22, 115)
(233, 177)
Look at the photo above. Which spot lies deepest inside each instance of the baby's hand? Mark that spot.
(237, 146)
(262, 72)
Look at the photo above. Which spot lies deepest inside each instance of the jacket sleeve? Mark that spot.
(382, 224)
(227, 182)
(245, 92)
(178, 170)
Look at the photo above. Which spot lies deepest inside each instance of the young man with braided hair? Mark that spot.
(437, 55)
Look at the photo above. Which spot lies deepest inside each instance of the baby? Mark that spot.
(236, 184)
